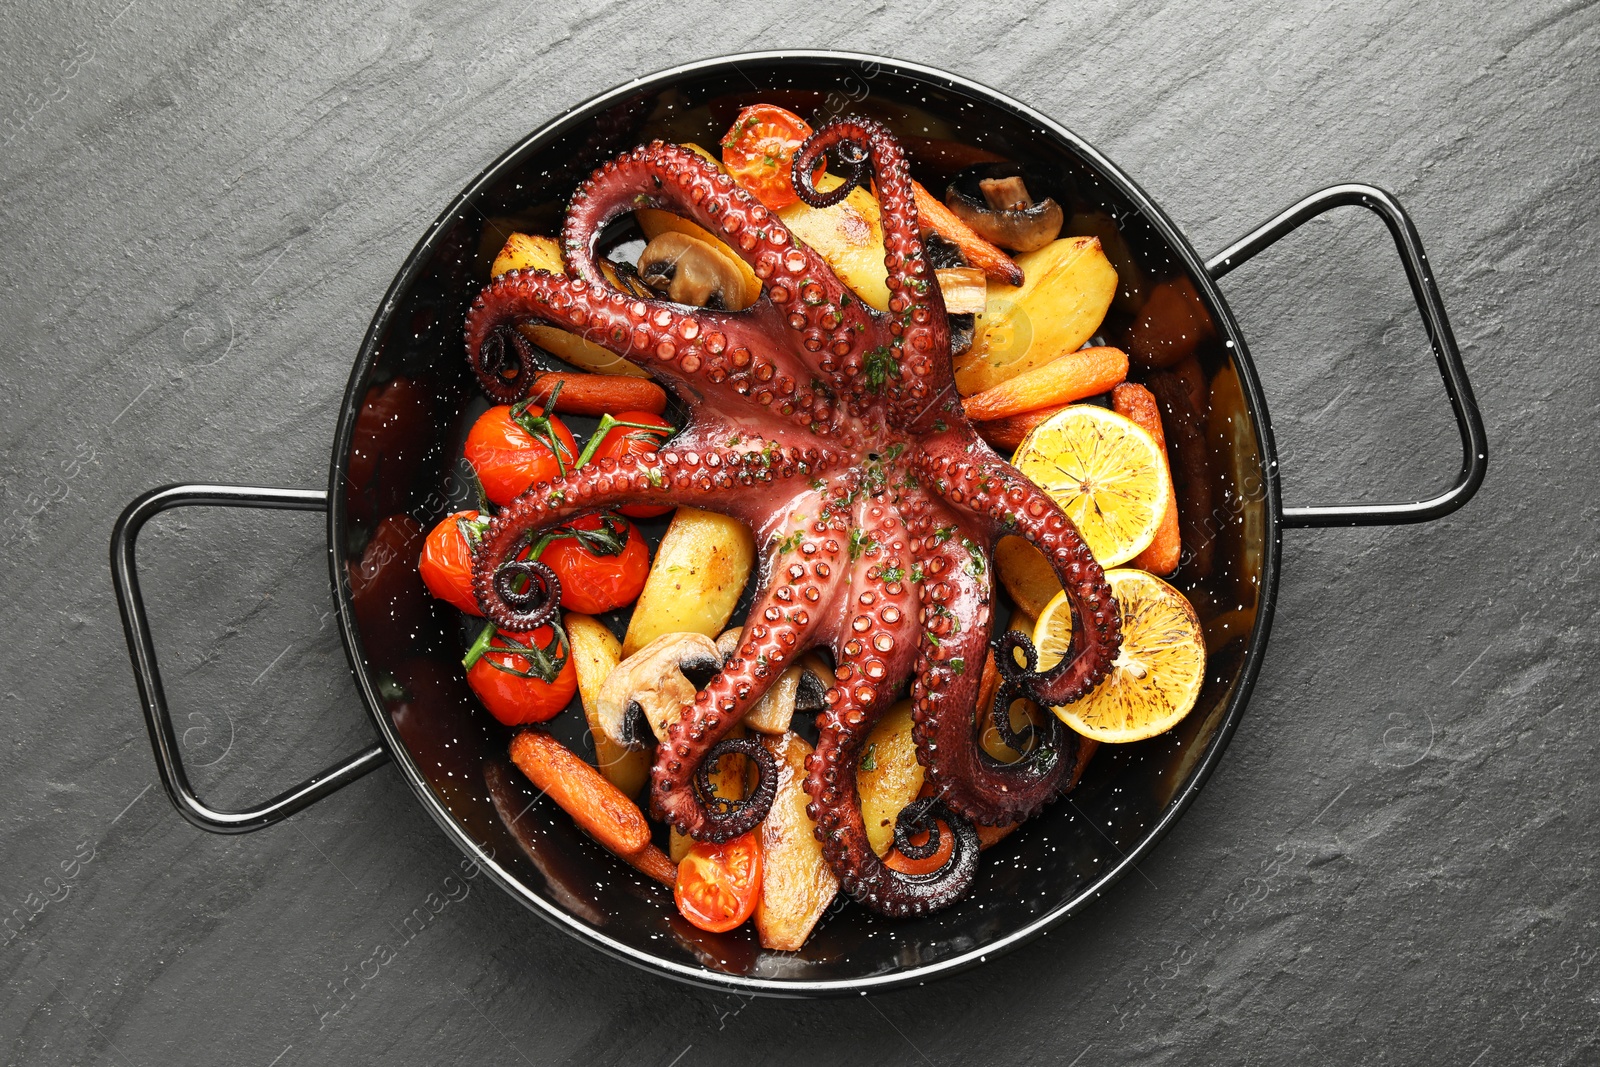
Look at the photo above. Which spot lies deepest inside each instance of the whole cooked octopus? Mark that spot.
(835, 431)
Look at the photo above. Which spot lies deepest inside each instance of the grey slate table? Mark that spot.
(201, 205)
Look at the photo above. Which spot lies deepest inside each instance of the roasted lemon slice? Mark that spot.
(1157, 674)
(1107, 474)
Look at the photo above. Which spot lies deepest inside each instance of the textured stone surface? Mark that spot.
(1393, 864)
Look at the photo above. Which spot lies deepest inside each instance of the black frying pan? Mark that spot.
(411, 399)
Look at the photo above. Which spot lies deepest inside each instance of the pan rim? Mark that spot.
(1255, 404)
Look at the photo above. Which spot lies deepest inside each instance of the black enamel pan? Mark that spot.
(410, 401)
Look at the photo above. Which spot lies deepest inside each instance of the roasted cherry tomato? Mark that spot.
(718, 884)
(446, 563)
(525, 678)
(512, 448)
(622, 441)
(759, 148)
(899, 861)
(601, 560)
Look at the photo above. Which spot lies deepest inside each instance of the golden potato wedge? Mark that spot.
(849, 235)
(699, 572)
(1026, 574)
(527, 252)
(595, 654)
(796, 883)
(890, 776)
(1068, 288)
(730, 780)
(523, 251)
(773, 711)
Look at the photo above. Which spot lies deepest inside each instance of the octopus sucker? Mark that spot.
(834, 431)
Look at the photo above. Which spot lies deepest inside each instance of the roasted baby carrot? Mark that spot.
(657, 865)
(1137, 404)
(599, 808)
(599, 394)
(1007, 433)
(974, 249)
(1061, 381)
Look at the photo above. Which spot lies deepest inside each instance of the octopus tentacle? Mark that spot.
(964, 471)
(836, 433)
(804, 304)
(921, 382)
(874, 655)
(660, 339)
(799, 583)
(737, 483)
(957, 614)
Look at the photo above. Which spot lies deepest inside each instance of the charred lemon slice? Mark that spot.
(1157, 674)
(1107, 474)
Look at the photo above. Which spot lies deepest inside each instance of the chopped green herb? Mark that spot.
(880, 365)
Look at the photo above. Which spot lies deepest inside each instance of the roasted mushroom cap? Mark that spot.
(994, 200)
(689, 271)
(652, 684)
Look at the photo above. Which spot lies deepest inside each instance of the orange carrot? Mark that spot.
(1007, 433)
(599, 808)
(1061, 381)
(1138, 404)
(974, 249)
(600, 394)
(657, 865)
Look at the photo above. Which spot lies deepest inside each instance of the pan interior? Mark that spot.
(397, 472)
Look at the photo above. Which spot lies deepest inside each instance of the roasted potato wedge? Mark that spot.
(595, 654)
(694, 583)
(1026, 574)
(1068, 288)
(526, 252)
(889, 777)
(796, 883)
(849, 235)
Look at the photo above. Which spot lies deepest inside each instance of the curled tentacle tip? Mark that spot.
(504, 364)
(527, 593)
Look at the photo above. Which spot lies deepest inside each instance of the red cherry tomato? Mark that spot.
(759, 148)
(531, 682)
(601, 560)
(446, 563)
(899, 861)
(511, 449)
(622, 441)
(718, 885)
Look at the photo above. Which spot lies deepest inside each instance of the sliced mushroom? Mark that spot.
(728, 642)
(802, 687)
(652, 685)
(994, 200)
(816, 679)
(773, 711)
(965, 290)
(687, 270)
